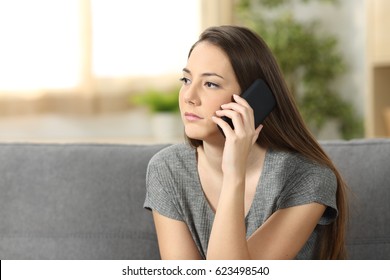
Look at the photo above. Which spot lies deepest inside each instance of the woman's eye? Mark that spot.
(185, 80)
(211, 85)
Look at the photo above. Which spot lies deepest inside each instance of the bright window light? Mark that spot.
(39, 44)
(41, 41)
(138, 38)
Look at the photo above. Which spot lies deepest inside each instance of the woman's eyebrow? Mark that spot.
(204, 74)
(187, 71)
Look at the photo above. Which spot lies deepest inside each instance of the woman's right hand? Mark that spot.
(239, 142)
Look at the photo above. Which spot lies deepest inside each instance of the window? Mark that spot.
(45, 43)
(148, 37)
(39, 44)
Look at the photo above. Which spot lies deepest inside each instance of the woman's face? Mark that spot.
(208, 82)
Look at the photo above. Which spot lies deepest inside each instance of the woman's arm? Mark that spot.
(280, 237)
(228, 234)
(174, 239)
(284, 233)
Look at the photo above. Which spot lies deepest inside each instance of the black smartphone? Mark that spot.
(260, 97)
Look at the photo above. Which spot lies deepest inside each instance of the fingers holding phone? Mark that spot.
(258, 97)
(239, 115)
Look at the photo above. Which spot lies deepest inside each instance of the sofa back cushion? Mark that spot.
(365, 166)
(75, 201)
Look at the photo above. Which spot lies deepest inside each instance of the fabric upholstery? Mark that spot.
(84, 201)
(365, 166)
(75, 201)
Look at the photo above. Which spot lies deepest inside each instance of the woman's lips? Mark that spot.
(191, 117)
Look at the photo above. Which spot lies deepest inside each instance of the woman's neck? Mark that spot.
(212, 156)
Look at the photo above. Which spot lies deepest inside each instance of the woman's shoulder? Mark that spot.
(295, 163)
(173, 154)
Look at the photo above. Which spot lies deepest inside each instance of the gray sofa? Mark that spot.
(84, 201)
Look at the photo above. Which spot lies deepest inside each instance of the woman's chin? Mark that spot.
(194, 133)
(201, 134)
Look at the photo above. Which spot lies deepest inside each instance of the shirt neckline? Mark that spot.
(258, 191)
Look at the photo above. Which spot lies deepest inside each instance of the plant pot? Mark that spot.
(166, 126)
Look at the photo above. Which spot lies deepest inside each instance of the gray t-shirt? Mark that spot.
(174, 190)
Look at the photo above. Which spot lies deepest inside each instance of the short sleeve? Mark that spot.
(160, 194)
(311, 184)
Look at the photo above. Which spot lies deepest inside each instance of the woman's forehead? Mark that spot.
(209, 55)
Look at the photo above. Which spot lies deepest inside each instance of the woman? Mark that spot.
(268, 192)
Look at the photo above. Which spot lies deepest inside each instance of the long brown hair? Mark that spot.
(284, 128)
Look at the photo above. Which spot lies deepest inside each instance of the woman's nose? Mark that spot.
(191, 97)
(190, 101)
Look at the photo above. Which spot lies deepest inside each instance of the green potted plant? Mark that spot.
(309, 60)
(158, 101)
(164, 109)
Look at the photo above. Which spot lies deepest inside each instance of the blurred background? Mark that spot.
(108, 70)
